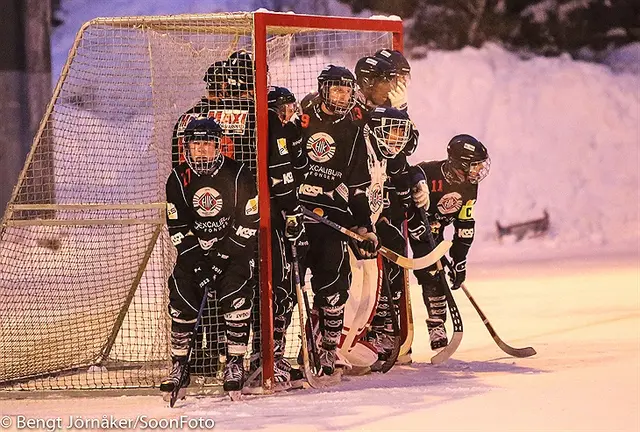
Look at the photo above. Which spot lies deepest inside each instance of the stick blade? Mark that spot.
(446, 353)
(515, 352)
(432, 257)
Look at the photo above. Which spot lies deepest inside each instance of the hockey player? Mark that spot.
(390, 187)
(335, 187)
(287, 160)
(212, 215)
(453, 186)
(376, 77)
(398, 94)
(229, 100)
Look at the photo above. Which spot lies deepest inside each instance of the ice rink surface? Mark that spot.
(582, 316)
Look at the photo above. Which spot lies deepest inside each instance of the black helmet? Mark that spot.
(337, 76)
(240, 73)
(396, 58)
(215, 77)
(279, 96)
(391, 130)
(468, 160)
(204, 129)
(282, 102)
(369, 69)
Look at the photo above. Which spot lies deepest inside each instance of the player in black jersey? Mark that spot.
(335, 187)
(287, 162)
(453, 186)
(229, 100)
(212, 215)
(377, 78)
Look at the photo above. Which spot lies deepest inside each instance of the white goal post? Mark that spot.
(84, 250)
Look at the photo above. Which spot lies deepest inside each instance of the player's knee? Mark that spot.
(331, 298)
(427, 276)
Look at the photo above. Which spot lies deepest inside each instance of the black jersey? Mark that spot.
(218, 211)
(337, 177)
(450, 203)
(238, 121)
(287, 162)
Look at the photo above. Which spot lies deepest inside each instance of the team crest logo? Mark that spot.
(450, 203)
(321, 147)
(374, 194)
(207, 202)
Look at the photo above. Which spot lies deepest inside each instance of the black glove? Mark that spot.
(457, 273)
(203, 275)
(218, 263)
(368, 246)
(293, 225)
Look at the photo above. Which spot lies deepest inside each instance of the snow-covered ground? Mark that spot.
(582, 317)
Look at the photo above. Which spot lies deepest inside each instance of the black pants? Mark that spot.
(233, 290)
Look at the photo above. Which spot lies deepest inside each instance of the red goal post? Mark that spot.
(264, 24)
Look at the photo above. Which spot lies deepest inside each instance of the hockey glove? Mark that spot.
(218, 263)
(293, 225)
(368, 247)
(420, 194)
(398, 96)
(203, 276)
(457, 274)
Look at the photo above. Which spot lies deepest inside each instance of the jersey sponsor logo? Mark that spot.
(287, 177)
(343, 191)
(172, 211)
(206, 244)
(232, 121)
(211, 226)
(466, 212)
(450, 203)
(207, 202)
(310, 190)
(465, 233)
(176, 239)
(374, 193)
(252, 206)
(321, 147)
(324, 172)
(282, 146)
(245, 232)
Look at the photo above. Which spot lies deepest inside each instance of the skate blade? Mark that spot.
(288, 385)
(235, 395)
(182, 394)
(324, 381)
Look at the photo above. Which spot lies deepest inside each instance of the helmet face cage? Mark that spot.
(339, 96)
(202, 146)
(281, 101)
(479, 170)
(468, 160)
(392, 135)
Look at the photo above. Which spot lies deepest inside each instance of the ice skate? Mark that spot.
(437, 333)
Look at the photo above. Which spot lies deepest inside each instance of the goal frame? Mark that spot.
(264, 23)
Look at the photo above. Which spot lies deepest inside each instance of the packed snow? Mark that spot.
(563, 137)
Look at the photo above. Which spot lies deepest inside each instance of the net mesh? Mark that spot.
(84, 250)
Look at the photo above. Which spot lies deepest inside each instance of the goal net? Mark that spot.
(84, 250)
